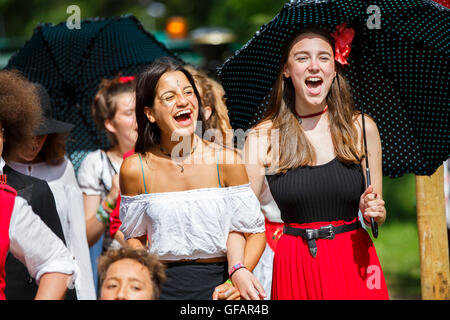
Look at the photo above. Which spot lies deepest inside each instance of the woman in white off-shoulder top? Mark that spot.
(185, 199)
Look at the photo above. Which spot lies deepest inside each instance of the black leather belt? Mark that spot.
(327, 232)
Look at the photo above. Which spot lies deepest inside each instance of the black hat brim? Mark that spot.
(50, 126)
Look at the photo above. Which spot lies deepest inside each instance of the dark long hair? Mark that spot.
(149, 134)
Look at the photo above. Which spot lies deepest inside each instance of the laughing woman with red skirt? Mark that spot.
(316, 175)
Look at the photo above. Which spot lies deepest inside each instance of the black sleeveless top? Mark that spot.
(327, 192)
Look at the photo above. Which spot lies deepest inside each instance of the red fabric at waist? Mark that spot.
(274, 230)
(318, 224)
(114, 220)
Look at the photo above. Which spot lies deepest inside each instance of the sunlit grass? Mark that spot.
(397, 246)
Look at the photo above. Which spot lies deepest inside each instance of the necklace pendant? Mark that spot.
(181, 166)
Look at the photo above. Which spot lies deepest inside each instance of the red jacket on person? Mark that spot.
(7, 198)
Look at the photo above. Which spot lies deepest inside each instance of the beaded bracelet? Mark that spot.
(109, 205)
(102, 215)
(235, 268)
(106, 207)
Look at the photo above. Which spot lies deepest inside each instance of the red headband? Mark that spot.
(126, 79)
(343, 38)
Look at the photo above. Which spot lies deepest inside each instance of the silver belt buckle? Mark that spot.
(331, 231)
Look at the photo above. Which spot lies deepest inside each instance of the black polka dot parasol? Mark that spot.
(399, 68)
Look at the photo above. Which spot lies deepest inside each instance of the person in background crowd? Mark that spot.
(28, 239)
(193, 213)
(45, 159)
(214, 108)
(113, 111)
(274, 230)
(128, 274)
(26, 242)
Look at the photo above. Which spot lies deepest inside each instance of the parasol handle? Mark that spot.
(373, 224)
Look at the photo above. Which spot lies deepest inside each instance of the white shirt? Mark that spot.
(192, 224)
(35, 245)
(95, 178)
(69, 204)
(268, 204)
(95, 174)
(264, 267)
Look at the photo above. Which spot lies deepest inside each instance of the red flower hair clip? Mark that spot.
(126, 79)
(343, 38)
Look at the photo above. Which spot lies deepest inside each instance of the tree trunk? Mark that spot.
(433, 243)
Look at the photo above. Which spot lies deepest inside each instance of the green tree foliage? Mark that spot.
(400, 197)
(244, 17)
(19, 18)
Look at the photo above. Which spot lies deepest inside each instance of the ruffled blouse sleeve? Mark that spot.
(246, 214)
(90, 174)
(135, 221)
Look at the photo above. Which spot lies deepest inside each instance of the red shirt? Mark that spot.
(7, 198)
(114, 221)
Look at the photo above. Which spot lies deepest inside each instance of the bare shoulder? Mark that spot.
(131, 165)
(370, 125)
(131, 175)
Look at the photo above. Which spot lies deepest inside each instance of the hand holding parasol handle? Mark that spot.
(373, 224)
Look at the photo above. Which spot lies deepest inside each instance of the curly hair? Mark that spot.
(20, 112)
(148, 260)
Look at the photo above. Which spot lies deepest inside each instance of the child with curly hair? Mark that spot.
(128, 274)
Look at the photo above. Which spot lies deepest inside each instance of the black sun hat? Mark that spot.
(49, 124)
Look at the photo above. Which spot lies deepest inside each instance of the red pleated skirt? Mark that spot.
(346, 267)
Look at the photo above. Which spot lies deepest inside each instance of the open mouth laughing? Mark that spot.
(183, 117)
(314, 85)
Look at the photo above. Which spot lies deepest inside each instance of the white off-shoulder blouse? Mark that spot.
(191, 224)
